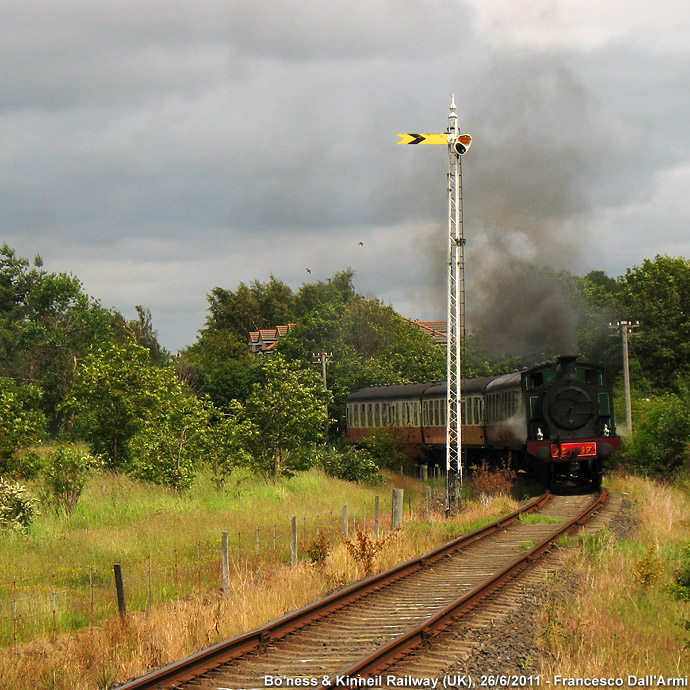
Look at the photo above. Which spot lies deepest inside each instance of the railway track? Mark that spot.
(371, 626)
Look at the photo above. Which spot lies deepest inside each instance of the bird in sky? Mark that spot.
(308, 271)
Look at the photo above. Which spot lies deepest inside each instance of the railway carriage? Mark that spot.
(554, 420)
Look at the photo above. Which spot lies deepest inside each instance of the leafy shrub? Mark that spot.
(349, 464)
(680, 587)
(384, 450)
(364, 549)
(17, 506)
(490, 483)
(66, 471)
(318, 549)
(662, 434)
(649, 568)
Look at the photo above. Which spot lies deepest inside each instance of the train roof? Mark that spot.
(469, 387)
(390, 392)
(418, 390)
(505, 381)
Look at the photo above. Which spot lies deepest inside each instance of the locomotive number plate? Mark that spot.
(581, 449)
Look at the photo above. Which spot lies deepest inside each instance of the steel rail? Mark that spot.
(386, 655)
(212, 657)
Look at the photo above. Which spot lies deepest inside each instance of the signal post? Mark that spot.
(458, 145)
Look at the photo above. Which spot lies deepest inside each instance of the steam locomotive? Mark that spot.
(554, 421)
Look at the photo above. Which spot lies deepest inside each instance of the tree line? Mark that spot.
(81, 386)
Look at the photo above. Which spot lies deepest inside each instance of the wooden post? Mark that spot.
(15, 618)
(54, 607)
(257, 541)
(397, 508)
(427, 496)
(425, 472)
(346, 523)
(376, 516)
(198, 564)
(225, 561)
(149, 590)
(91, 599)
(293, 543)
(120, 587)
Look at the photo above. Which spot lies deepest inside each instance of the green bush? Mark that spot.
(384, 450)
(349, 464)
(662, 435)
(66, 471)
(17, 506)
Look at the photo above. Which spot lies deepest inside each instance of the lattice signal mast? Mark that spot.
(458, 145)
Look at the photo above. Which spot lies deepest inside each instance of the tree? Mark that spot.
(219, 365)
(114, 390)
(251, 307)
(283, 415)
(172, 439)
(22, 422)
(47, 324)
(140, 331)
(657, 294)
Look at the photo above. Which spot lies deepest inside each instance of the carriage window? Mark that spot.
(377, 414)
(463, 412)
(415, 412)
(370, 414)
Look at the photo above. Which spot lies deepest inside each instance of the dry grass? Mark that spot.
(113, 653)
(622, 619)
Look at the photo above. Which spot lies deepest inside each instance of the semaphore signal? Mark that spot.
(458, 145)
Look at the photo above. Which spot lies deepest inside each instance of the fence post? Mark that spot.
(346, 524)
(376, 516)
(53, 606)
(225, 560)
(397, 508)
(15, 618)
(293, 543)
(120, 587)
(257, 541)
(198, 564)
(425, 472)
(91, 599)
(427, 496)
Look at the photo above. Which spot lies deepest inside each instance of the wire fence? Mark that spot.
(73, 600)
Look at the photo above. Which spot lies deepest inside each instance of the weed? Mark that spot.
(364, 550)
(489, 483)
(680, 587)
(649, 568)
(318, 549)
(539, 519)
(527, 545)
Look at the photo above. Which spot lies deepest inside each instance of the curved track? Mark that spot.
(367, 627)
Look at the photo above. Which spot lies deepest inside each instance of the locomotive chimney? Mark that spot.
(567, 365)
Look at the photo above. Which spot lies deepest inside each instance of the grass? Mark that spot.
(623, 619)
(168, 543)
(260, 589)
(539, 519)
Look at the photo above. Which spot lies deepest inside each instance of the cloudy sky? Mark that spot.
(157, 149)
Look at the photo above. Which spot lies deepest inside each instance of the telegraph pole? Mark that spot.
(458, 145)
(323, 358)
(626, 329)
